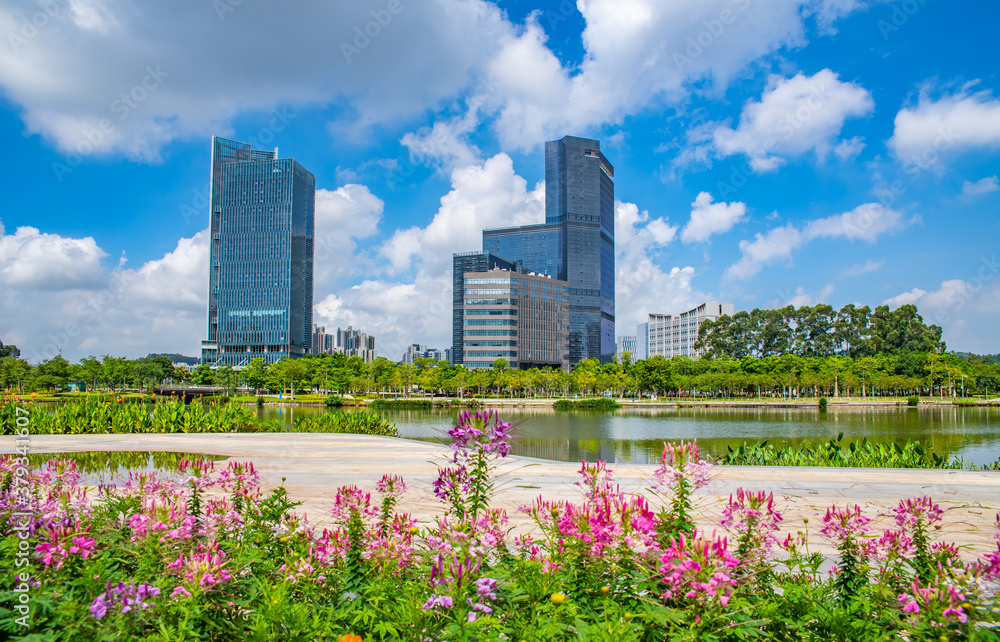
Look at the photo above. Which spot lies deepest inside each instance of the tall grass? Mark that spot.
(835, 453)
(362, 422)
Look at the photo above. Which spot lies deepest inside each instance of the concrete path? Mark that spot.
(314, 465)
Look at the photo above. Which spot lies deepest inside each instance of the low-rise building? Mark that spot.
(521, 318)
(673, 335)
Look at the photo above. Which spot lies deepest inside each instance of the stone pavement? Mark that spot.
(315, 465)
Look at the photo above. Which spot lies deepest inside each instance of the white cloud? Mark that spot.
(415, 306)
(68, 77)
(982, 186)
(848, 149)
(775, 245)
(641, 285)
(866, 222)
(966, 309)
(802, 298)
(946, 126)
(74, 305)
(795, 116)
(342, 215)
(32, 259)
(708, 218)
(867, 267)
(486, 195)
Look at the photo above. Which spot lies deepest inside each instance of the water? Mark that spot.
(637, 435)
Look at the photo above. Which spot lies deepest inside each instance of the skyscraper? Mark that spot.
(575, 244)
(260, 291)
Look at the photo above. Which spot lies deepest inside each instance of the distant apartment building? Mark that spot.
(675, 335)
(417, 351)
(322, 343)
(522, 318)
(355, 343)
(623, 344)
(642, 341)
(260, 270)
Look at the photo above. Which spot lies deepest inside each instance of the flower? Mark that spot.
(350, 637)
(557, 598)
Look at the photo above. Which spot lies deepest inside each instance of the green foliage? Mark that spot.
(823, 402)
(862, 454)
(913, 401)
(97, 462)
(401, 404)
(587, 404)
(334, 401)
(364, 422)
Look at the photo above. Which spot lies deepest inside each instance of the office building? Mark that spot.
(522, 318)
(642, 341)
(460, 264)
(576, 243)
(355, 343)
(260, 291)
(675, 335)
(623, 344)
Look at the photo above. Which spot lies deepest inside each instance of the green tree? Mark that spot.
(255, 374)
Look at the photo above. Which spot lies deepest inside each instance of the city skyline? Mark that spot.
(765, 154)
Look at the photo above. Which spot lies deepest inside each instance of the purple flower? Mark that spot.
(99, 607)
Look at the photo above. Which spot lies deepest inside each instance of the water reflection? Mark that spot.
(637, 435)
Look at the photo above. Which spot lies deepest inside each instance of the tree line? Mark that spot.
(786, 376)
(820, 331)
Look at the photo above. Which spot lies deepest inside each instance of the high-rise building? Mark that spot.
(675, 335)
(355, 343)
(460, 264)
(522, 318)
(575, 244)
(260, 291)
(642, 341)
(322, 343)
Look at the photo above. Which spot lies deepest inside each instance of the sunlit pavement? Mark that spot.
(314, 465)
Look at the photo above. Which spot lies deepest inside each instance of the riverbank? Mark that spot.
(312, 466)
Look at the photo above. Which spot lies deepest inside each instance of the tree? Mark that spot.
(288, 370)
(53, 374)
(14, 372)
(9, 351)
(255, 374)
(203, 376)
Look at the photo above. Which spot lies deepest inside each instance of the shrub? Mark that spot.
(913, 401)
(586, 404)
(401, 404)
(823, 403)
(364, 422)
(334, 401)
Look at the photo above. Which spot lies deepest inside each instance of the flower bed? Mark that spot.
(204, 553)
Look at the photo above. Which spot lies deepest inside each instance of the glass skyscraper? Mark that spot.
(260, 291)
(461, 263)
(575, 244)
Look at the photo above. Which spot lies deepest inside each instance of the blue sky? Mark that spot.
(766, 152)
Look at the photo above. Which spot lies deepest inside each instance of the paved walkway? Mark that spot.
(314, 465)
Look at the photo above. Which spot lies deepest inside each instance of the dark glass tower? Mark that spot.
(575, 244)
(260, 292)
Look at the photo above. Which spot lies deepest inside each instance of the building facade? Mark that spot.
(576, 243)
(623, 344)
(460, 264)
(260, 291)
(355, 343)
(322, 343)
(522, 318)
(675, 335)
(642, 341)
(417, 351)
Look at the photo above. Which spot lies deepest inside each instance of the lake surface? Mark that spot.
(637, 435)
